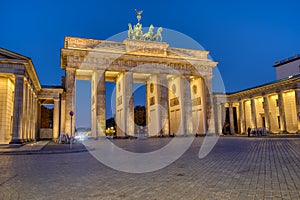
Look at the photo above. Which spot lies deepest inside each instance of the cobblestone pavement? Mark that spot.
(237, 168)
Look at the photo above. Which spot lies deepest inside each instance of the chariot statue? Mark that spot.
(136, 33)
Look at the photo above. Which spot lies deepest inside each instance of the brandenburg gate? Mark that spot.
(178, 83)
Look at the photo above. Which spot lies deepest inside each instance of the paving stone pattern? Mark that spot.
(237, 168)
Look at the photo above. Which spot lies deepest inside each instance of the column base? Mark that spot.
(16, 141)
(283, 132)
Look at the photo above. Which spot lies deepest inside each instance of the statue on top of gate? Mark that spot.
(136, 33)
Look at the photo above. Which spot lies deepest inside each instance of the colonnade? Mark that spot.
(175, 104)
(277, 112)
(25, 112)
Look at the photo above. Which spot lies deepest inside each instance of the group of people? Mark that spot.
(65, 139)
(257, 131)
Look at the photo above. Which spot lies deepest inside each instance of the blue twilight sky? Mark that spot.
(245, 37)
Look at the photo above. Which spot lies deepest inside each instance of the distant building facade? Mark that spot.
(288, 67)
(274, 106)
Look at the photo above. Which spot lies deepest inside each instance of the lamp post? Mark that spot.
(71, 114)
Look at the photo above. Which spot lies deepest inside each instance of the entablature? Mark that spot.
(269, 89)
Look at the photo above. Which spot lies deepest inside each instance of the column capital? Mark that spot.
(70, 69)
(278, 91)
(19, 75)
(207, 76)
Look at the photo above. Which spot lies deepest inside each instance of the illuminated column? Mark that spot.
(223, 114)
(253, 114)
(242, 117)
(56, 119)
(36, 118)
(35, 125)
(30, 114)
(129, 104)
(297, 96)
(38, 124)
(218, 116)
(187, 107)
(100, 103)
(281, 113)
(18, 109)
(231, 118)
(163, 101)
(93, 105)
(209, 113)
(33, 116)
(23, 136)
(70, 100)
(147, 108)
(266, 112)
(124, 104)
(62, 113)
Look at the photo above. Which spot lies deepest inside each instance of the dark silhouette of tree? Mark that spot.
(110, 122)
(140, 115)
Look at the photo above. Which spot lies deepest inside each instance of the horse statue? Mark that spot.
(138, 33)
(157, 35)
(130, 31)
(149, 34)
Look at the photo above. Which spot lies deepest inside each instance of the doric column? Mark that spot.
(36, 121)
(56, 119)
(281, 113)
(24, 108)
(38, 124)
(187, 107)
(162, 91)
(147, 108)
(62, 113)
(30, 114)
(231, 118)
(253, 114)
(266, 112)
(297, 96)
(33, 116)
(18, 109)
(129, 104)
(208, 108)
(94, 105)
(242, 117)
(100, 103)
(223, 114)
(219, 107)
(70, 100)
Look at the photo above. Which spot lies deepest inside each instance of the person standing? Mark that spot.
(249, 131)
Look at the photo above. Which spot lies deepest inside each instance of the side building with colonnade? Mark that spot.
(273, 106)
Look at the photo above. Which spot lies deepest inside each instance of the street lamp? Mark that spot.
(71, 114)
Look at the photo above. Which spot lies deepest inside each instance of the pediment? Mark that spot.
(9, 55)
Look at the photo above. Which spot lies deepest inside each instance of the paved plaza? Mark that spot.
(237, 168)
